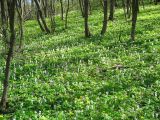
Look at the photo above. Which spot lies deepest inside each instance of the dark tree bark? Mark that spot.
(86, 6)
(134, 18)
(105, 10)
(45, 6)
(19, 9)
(11, 11)
(32, 9)
(124, 9)
(24, 2)
(128, 5)
(39, 23)
(66, 20)
(62, 10)
(81, 4)
(52, 15)
(112, 7)
(90, 7)
(39, 12)
(3, 20)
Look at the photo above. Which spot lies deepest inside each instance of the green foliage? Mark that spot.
(66, 76)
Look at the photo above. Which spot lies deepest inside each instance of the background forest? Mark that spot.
(79, 59)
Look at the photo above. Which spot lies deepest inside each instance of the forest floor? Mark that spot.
(64, 76)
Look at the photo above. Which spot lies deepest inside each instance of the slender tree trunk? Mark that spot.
(138, 6)
(124, 9)
(81, 7)
(52, 15)
(11, 11)
(40, 24)
(66, 20)
(134, 18)
(62, 10)
(20, 16)
(128, 4)
(105, 10)
(90, 8)
(44, 6)
(112, 7)
(41, 16)
(86, 6)
(24, 1)
(3, 20)
(32, 8)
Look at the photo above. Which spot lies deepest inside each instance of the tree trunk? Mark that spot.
(66, 20)
(20, 16)
(124, 9)
(81, 4)
(90, 7)
(24, 1)
(45, 6)
(40, 24)
(41, 16)
(86, 6)
(32, 9)
(61, 2)
(105, 10)
(112, 7)
(128, 4)
(52, 15)
(134, 18)
(11, 10)
(4, 23)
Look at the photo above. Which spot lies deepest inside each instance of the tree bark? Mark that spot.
(32, 9)
(112, 7)
(62, 10)
(41, 16)
(52, 15)
(124, 9)
(45, 6)
(20, 16)
(3, 20)
(105, 10)
(86, 6)
(24, 1)
(11, 10)
(134, 18)
(81, 4)
(39, 23)
(128, 4)
(66, 20)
